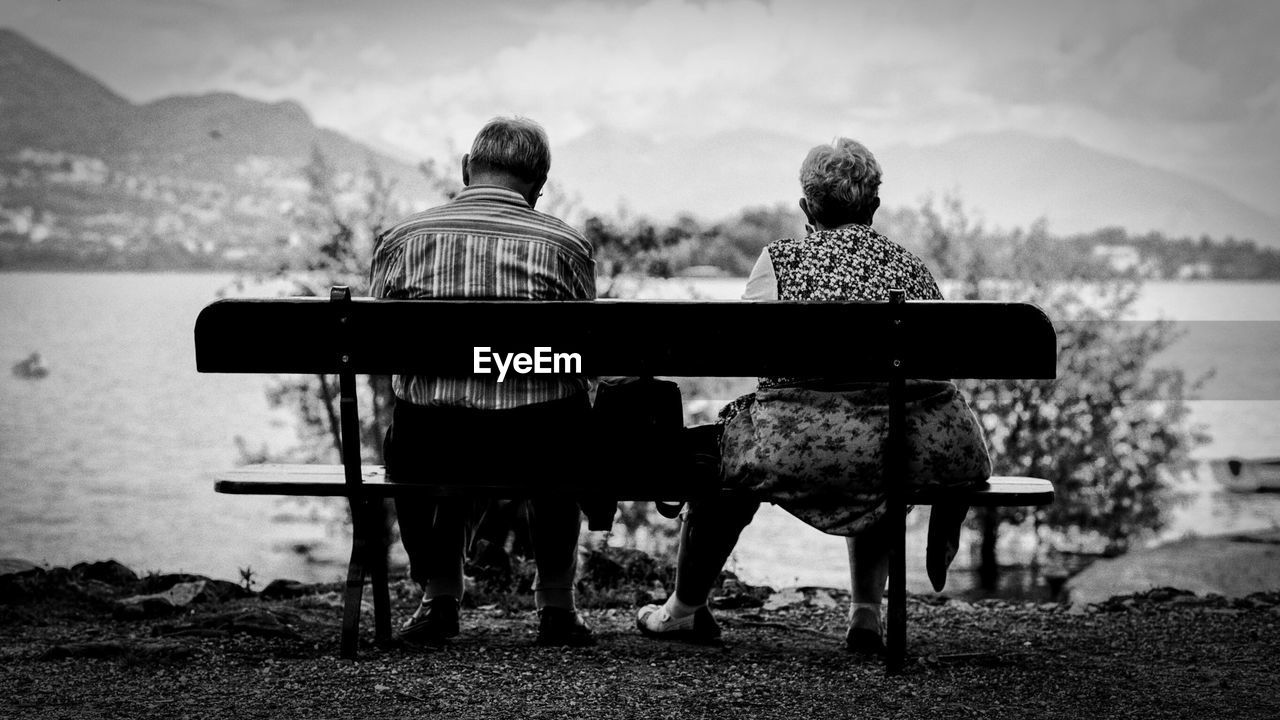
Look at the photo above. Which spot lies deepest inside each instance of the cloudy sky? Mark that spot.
(1186, 85)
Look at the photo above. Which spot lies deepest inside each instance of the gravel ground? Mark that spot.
(1162, 654)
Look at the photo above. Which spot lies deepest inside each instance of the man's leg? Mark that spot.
(540, 432)
(434, 535)
(433, 531)
(554, 525)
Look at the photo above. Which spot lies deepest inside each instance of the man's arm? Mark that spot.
(386, 271)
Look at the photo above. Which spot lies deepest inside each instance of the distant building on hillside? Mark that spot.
(703, 271)
(1125, 260)
(1195, 271)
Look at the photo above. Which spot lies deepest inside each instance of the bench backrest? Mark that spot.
(926, 339)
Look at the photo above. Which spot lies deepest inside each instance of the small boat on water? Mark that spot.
(32, 368)
(1248, 475)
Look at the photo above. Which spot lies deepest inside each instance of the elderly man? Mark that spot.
(488, 242)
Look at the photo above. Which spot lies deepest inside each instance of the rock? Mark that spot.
(159, 583)
(737, 601)
(655, 594)
(281, 589)
(17, 566)
(1200, 565)
(601, 571)
(223, 590)
(1166, 594)
(329, 599)
(20, 580)
(819, 598)
(254, 621)
(733, 594)
(613, 567)
(785, 598)
(28, 583)
(175, 598)
(1265, 598)
(107, 571)
(97, 591)
(143, 608)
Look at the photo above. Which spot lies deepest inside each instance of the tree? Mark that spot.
(334, 229)
(627, 253)
(1112, 428)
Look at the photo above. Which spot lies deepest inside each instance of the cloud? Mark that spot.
(1190, 85)
(377, 56)
(669, 67)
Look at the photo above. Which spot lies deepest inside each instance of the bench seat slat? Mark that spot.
(328, 481)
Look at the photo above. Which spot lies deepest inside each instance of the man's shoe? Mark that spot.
(700, 627)
(435, 621)
(559, 627)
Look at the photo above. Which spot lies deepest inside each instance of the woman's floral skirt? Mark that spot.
(820, 454)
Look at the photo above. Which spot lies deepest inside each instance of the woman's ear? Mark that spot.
(804, 208)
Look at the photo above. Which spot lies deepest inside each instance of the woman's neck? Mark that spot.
(819, 226)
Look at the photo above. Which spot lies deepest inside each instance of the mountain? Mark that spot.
(1015, 178)
(45, 102)
(214, 174)
(1009, 179)
(49, 105)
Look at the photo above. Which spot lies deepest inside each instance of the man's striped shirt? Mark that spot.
(485, 243)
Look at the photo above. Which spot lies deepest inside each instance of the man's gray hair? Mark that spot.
(839, 181)
(515, 145)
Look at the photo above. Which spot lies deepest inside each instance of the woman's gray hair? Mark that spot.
(839, 181)
(515, 145)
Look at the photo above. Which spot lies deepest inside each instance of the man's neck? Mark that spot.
(523, 188)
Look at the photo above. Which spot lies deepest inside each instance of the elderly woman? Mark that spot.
(815, 445)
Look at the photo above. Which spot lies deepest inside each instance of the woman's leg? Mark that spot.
(708, 534)
(868, 573)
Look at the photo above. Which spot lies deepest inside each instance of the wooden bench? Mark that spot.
(890, 342)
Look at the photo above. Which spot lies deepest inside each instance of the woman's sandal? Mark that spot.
(863, 641)
(700, 627)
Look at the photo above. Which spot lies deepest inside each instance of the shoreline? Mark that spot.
(1229, 565)
(1162, 653)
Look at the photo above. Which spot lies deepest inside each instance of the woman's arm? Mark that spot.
(762, 284)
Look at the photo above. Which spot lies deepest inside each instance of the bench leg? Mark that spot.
(377, 524)
(355, 581)
(897, 630)
(368, 557)
(351, 605)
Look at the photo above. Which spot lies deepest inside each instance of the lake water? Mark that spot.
(113, 454)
